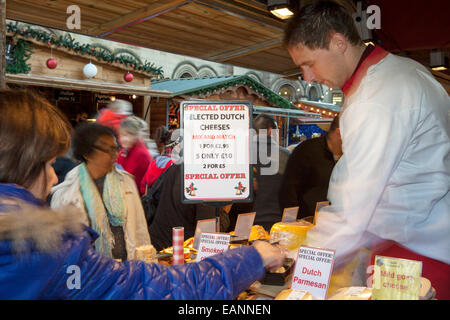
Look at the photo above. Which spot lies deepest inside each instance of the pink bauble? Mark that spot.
(51, 63)
(128, 77)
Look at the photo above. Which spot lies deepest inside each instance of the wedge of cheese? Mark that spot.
(258, 233)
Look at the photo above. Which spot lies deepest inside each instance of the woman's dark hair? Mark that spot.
(85, 138)
(315, 23)
(32, 131)
(161, 137)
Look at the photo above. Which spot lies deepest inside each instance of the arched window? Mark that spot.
(185, 70)
(287, 92)
(186, 75)
(313, 94)
(206, 72)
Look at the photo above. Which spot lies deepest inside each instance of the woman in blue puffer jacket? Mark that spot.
(49, 255)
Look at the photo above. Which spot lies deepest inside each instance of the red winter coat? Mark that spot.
(136, 161)
(155, 169)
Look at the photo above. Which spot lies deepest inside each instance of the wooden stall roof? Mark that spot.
(237, 32)
(208, 85)
(88, 85)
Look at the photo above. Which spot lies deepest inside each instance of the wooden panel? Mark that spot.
(71, 67)
(157, 115)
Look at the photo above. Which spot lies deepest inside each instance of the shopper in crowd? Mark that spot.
(392, 182)
(149, 142)
(162, 138)
(270, 166)
(134, 156)
(162, 162)
(63, 165)
(107, 196)
(41, 249)
(114, 113)
(305, 181)
(155, 176)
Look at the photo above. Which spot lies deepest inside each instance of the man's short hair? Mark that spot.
(264, 121)
(314, 25)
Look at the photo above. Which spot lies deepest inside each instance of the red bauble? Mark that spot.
(128, 77)
(51, 63)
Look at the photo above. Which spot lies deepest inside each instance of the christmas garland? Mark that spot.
(22, 52)
(271, 97)
(83, 49)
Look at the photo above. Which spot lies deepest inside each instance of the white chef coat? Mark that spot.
(393, 179)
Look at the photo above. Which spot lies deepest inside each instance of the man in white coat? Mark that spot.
(390, 189)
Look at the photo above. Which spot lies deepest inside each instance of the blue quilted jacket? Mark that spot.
(74, 270)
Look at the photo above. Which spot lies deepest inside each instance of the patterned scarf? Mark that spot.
(105, 209)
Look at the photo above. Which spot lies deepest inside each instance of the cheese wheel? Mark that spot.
(290, 234)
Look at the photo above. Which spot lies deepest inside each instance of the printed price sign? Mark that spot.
(244, 225)
(290, 214)
(216, 151)
(313, 271)
(212, 243)
(207, 225)
(396, 279)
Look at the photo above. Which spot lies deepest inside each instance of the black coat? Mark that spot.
(266, 203)
(171, 212)
(307, 175)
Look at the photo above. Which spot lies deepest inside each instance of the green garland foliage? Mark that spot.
(21, 54)
(84, 49)
(271, 97)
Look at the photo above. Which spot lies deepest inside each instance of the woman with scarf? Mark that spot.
(42, 250)
(107, 196)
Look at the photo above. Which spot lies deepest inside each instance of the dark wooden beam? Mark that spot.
(248, 50)
(244, 12)
(136, 16)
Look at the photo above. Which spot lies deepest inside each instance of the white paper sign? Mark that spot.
(313, 271)
(212, 243)
(207, 225)
(319, 205)
(244, 225)
(290, 214)
(216, 150)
